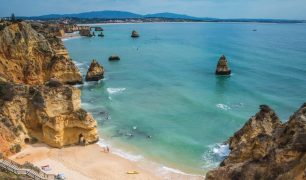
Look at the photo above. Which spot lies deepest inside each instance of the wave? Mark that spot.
(69, 38)
(222, 150)
(223, 107)
(115, 90)
(166, 169)
(102, 143)
(216, 153)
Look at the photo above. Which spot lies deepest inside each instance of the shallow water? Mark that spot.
(162, 101)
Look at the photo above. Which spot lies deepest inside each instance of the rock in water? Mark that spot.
(114, 58)
(222, 67)
(101, 34)
(95, 72)
(135, 34)
(264, 148)
(98, 29)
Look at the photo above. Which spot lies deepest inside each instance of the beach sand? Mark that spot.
(68, 36)
(91, 162)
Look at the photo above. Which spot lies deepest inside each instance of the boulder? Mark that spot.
(114, 58)
(95, 72)
(135, 34)
(222, 67)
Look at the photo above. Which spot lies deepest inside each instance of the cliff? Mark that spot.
(28, 57)
(264, 148)
(36, 101)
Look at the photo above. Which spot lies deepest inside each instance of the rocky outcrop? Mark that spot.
(98, 29)
(264, 148)
(114, 58)
(35, 101)
(95, 72)
(222, 67)
(101, 34)
(135, 34)
(51, 114)
(85, 32)
(27, 56)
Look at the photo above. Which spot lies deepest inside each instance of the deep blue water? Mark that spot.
(164, 86)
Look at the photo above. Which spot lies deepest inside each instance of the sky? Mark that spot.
(276, 9)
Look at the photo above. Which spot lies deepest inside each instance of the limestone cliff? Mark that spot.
(27, 56)
(50, 114)
(264, 148)
(35, 103)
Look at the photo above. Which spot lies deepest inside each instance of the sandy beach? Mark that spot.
(91, 162)
(68, 36)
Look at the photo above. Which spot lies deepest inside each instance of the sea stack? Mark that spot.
(95, 72)
(222, 67)
(135, 34)
(101, 34)
(98, 29)
(114, 58)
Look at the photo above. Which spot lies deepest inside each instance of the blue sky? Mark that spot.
(287, 9)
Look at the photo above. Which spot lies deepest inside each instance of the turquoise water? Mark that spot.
(164, 86)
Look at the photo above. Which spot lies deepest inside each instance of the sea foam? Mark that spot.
(223, 107)
(102, 143)
(115, 90)
(215, 154)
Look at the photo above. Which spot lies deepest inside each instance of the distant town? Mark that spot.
(128, 17)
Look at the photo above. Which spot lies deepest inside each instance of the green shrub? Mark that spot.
(82, 114)
(33, 140)
(15, 148)
(28, 165)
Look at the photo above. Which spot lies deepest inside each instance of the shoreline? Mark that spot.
(68, 36)
(71, 161)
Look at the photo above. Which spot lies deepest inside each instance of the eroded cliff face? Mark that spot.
(28, 57)
(264, 148)
(35, 103)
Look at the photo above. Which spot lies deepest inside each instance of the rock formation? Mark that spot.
(85, 32)
(50, 114)
(264, 148)
(98, 29)
(114, 58)
(95, 72)
(35, 102)
(27, 56)
(101, 34)
(222, 67)
(135, 34)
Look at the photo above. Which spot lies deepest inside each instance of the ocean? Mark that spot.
(162, 101)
